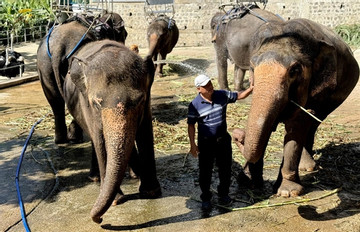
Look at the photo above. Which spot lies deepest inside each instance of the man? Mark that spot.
(208, 109)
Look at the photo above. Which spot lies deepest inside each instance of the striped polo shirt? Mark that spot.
(211, 117)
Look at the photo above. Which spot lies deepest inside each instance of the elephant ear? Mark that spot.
(77, 75)
(324, 76)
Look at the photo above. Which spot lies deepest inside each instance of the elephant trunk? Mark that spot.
(119, 135)
(153, 43)
(268, 101)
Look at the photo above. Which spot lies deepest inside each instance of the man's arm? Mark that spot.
(193, 147)
(245, 93)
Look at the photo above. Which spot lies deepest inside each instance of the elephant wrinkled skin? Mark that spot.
(304, 62)
(107, 91)
(232, 41)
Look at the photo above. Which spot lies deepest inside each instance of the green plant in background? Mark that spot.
(18, 14)
(350, 34)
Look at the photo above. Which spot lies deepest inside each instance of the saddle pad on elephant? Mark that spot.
(238, 12)
(169, 21)
(95, 25)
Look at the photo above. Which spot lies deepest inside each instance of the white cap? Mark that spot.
(201, 80)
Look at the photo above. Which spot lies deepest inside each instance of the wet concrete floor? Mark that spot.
(58, 195)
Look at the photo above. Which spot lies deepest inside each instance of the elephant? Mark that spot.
(162, 36)
(231, 35)
(107, 91)
(294, 63)
(53, 55)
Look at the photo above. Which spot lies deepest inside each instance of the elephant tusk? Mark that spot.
(303, 109)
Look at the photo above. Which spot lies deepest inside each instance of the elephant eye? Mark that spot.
(295, 70)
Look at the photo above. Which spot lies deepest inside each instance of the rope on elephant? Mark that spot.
(78, 44)
(237, 12)
(306, 111)
(266, 205)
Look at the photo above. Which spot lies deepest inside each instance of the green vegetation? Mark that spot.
(15, 15)
(350, 34)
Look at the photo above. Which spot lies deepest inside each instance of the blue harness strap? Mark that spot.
(47, 41)
(257, 15)
(76, 46)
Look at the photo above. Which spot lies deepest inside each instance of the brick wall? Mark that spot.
(193, 16)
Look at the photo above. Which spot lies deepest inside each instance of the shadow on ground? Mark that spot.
(339, 167)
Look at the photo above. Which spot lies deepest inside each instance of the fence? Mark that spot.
(24, 35)
(29, 68)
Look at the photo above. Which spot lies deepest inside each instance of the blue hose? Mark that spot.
(22, 209)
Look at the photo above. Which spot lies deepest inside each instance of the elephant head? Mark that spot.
(295, 61)
(108, 93)
(215, 26)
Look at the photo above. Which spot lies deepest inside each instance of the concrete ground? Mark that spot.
(58, 196)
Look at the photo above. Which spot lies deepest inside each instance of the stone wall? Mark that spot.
(193, 16)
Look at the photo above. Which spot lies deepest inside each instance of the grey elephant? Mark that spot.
(232, 33)
(53, 54)
(162, 36)
(107, 91)
(294, 63)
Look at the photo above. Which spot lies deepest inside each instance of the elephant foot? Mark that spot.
(307, 163)
(75, 133)
(94, 178)
(159, 74)
(132, 174)
(150, 194)
(119, 199)
(61, 139)
(94, 175)
(251, 177)
(245, 180)
(289, 189)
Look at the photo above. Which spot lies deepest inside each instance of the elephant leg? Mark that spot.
(307, 163)
(252, 176)
(160, 69)
(75, 133)
(157, 66)
(239, 75)
(288, 179)
(150, 186)
(94, 174)
(98, 161)
(134, 164)
(222, 66)
(57, 104)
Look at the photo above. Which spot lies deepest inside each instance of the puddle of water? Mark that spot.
(187, 66)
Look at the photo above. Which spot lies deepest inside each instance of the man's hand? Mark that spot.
(194, 151)
(245, 93)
